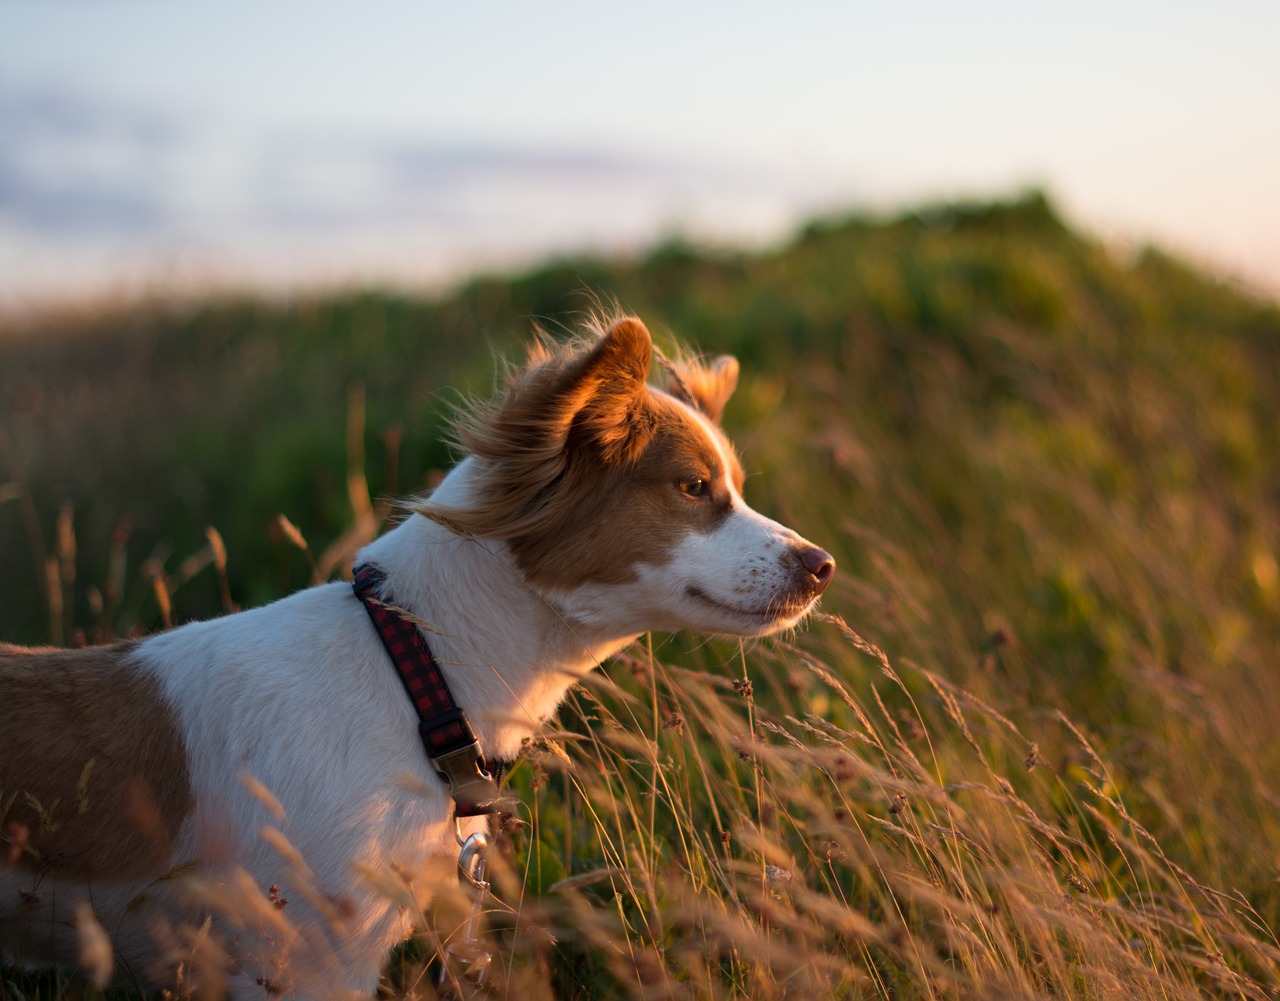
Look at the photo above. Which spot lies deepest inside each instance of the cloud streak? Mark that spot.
(95, 193)
(71, 166)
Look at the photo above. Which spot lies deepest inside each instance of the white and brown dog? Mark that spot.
(591, 507)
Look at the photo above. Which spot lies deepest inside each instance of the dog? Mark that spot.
(280, 748)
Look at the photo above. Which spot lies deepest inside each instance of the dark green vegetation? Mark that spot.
(1049, 477)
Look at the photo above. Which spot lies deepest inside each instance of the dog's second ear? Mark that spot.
(602, 393)
(707, 388)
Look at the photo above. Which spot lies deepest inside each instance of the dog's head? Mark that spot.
(622, 502)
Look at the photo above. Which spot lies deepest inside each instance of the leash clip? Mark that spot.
(468, 950)
(471, 860)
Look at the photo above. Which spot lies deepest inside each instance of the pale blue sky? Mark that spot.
(147, 141)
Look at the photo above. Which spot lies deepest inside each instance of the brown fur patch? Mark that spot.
(581, 445)
(93, 771)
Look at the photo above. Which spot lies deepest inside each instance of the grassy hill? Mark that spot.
(1034, 755)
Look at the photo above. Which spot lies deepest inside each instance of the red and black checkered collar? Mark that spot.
(450, 742)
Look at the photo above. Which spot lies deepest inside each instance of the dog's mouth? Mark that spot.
(779, 611)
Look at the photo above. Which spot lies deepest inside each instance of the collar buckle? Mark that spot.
(474, 790)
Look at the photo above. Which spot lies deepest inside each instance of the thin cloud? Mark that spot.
(93, 191)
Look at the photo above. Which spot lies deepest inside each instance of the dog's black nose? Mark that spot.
(820, 564)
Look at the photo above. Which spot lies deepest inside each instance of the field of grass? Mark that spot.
(1029, 748)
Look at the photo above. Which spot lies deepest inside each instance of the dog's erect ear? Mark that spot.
(568, 404)
(707, 388)
(602, 392)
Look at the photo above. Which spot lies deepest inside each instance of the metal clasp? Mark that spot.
(467, 950)
(471, 860)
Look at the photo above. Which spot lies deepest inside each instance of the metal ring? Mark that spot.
(471, 861)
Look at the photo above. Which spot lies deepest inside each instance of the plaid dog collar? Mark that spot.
(447, 736)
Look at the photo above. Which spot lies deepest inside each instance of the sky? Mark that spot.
(148, 145)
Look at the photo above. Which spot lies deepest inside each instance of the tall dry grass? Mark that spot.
(809, 817)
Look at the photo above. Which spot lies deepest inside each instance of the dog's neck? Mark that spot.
(507, 654)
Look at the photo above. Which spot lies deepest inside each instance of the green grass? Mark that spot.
(1042, 761)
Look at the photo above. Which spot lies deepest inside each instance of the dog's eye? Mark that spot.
(695, 487)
